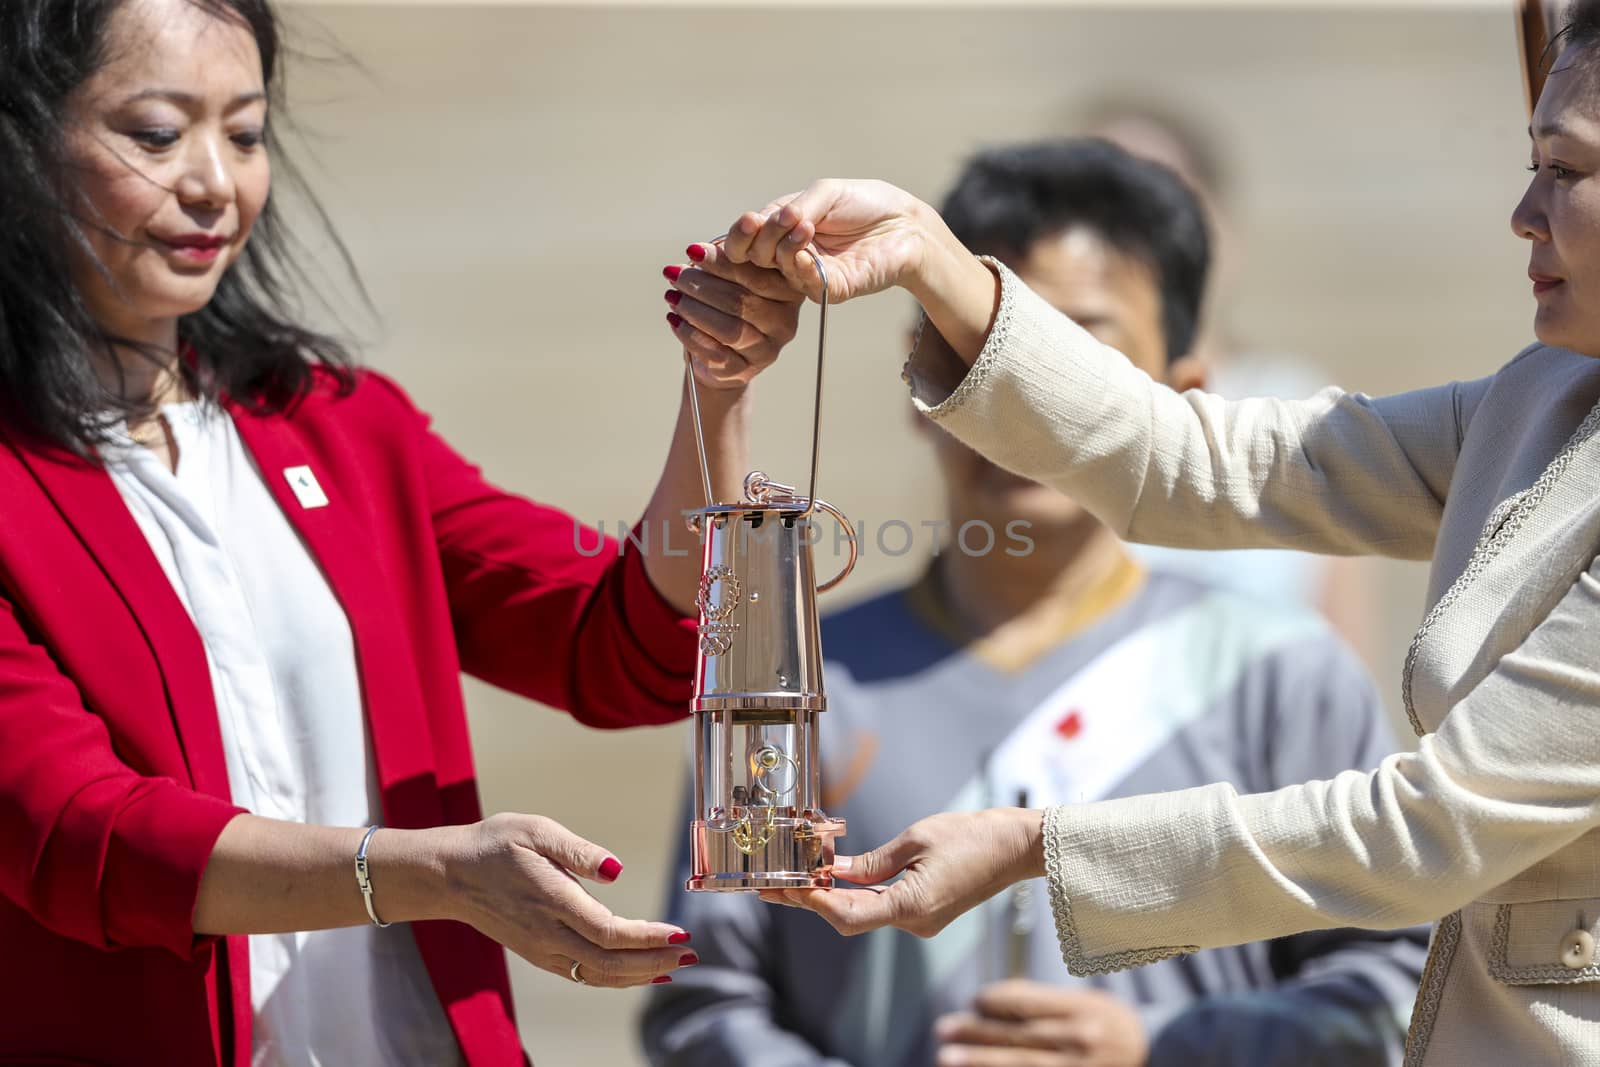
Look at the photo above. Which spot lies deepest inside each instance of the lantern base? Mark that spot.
(788, 853)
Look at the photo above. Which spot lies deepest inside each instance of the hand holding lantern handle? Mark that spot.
(845, 238)
(714, 262)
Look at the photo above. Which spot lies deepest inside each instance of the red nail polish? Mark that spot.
(697, 253)
(672, 272)
(675, 320)
(673, 296)
(661, 979)
(679, 938)
(688, 959)
(610, 869)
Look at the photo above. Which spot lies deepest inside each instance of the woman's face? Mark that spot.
(1560, 212)
(165, 145)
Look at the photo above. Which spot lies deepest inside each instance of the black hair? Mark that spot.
(245, 342)
(1580, 28)
(1008, 199)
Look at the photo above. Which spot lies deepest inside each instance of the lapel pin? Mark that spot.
(305, 487)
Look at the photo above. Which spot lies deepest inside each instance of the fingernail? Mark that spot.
(841, 865)
(697, 253)
(610, 869)
(672, 272)
(659, 980)
(679, 938)
(688, 959)
(673, 296)
(793, 237)
(674, 320)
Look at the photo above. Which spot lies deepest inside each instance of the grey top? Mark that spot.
(1233, 690)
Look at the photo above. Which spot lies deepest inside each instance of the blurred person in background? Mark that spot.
(239, 582)
(1491, 826)
(1037, 659)
(1236, 366)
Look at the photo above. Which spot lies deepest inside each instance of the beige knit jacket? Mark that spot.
(1489, 827)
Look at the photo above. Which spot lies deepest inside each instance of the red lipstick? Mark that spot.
(196, 248)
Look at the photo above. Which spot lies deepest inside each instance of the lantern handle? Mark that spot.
(849, 532)
(759, 489)
(816, 412)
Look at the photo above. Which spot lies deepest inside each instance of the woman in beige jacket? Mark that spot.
(1490, 827)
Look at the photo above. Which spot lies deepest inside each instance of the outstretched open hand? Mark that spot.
(947, 864)
(516, 880)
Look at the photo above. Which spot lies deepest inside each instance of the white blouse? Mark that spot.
(288, 696)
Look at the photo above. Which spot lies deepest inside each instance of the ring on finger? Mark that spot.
(576, 977)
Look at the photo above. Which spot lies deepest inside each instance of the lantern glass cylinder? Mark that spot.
(759, 823)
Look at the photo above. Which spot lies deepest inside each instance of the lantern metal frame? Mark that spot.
(758, 821)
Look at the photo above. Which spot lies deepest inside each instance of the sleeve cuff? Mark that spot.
(1047, 400)
(1097, 899)
(939, 381)
(1036, 366)
(155, 858)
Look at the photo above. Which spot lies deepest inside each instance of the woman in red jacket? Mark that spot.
(238, 583)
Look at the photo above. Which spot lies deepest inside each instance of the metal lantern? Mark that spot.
(758, 819)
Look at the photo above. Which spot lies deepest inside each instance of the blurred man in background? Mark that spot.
(1054, 671)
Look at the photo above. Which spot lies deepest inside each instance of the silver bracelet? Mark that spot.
(364, 879)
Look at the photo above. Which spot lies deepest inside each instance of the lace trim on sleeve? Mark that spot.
(1061, 907)
(984, 364)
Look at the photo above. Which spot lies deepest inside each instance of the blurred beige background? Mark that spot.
(511, 179)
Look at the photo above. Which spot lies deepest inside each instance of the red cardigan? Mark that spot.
(113, 788)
